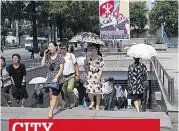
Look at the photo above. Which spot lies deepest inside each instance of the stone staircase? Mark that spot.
(82, 113)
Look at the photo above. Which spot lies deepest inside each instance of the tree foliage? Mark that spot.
(138, 18)
(70, 17)
(75, 16)
(165, 12)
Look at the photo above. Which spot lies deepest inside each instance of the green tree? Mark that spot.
(165, 12)
(75, 16)
(34, 11)
(138, 18)
(91, 14)
(57, 15)
(10, 11)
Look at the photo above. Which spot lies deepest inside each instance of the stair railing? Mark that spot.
(161, 74)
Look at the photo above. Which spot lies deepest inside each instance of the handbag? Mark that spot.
(53, 85)
(75, 84)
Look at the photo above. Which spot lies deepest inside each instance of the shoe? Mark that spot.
(50, 116)
(17, 101)
(97, 108)
(72, 105)
(91, 107)
(9, 102)
(72, 99)
(63, 107)
(129, 107)
(67, 101)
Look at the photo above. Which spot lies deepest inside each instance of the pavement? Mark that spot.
(26, 56)
(82, 113)
(166, 58)
(9, 52)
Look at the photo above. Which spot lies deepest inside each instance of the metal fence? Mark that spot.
(165, 79)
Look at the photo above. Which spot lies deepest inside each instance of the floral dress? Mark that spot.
(94, 66)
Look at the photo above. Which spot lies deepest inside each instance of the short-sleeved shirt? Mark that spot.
(17, 74)
(4, 74)
(54, 67)
(69, 66)
(85, 45)
(107, 88)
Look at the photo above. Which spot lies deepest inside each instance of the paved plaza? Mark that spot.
(82, 113)
(169, 61)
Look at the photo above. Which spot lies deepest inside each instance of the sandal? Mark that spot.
(97, 108)
(50, 116)
(91, 107)
(9, 102)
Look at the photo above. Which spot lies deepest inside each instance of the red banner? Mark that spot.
(84, 125)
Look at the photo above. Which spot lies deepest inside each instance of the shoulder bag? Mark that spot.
(72, 62)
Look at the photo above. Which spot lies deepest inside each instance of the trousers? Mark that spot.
(68, 87)
(107, 101)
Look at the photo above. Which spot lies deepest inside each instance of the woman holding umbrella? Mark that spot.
(94, 66)
(137, 72)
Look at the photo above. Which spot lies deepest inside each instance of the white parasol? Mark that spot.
(142, 51)
(38, 80)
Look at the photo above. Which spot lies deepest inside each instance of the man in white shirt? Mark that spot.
(121, 94)
(71, 74)
(108, 94)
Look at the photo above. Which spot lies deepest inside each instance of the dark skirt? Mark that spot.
(19, 92)
(136, 97)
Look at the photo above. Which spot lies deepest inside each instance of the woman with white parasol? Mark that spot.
(137, 72)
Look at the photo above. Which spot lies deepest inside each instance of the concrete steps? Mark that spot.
(85, 113)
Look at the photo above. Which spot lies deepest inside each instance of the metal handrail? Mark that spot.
(161, 74)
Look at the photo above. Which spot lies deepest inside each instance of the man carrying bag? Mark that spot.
(71, 74)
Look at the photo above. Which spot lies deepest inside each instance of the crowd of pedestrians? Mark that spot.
(63, 76)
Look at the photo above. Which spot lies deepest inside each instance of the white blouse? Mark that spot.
(4, 75)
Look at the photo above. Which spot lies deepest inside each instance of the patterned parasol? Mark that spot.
(88, 37)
